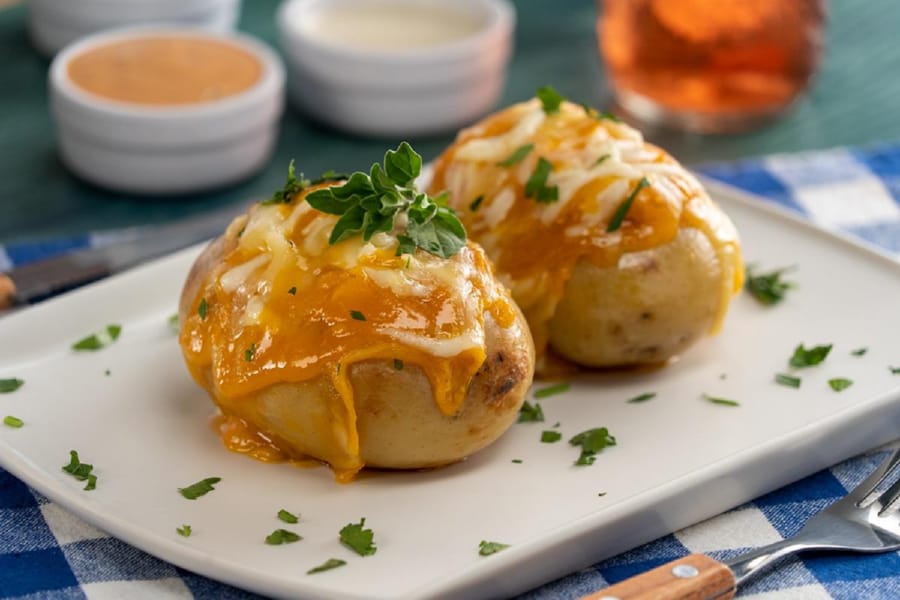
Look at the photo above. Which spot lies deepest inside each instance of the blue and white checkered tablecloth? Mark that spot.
(46, 552)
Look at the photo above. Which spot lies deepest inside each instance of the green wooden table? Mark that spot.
(854, 101)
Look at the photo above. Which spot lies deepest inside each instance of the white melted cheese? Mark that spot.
(235, 277)
(440, 347)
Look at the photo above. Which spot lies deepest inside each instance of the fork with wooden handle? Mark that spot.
(867, 520)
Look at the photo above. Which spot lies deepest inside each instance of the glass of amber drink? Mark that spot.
(710, 66)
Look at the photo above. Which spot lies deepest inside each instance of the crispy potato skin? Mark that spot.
(399, 424)
(653, 305)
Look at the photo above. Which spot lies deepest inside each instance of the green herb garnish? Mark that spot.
(550, 99)
(768, 288)
(292, 186)
(14, 422)
(184, 530)
(288, 517)
(552, 390)
(174, 324)
(80, 471)
(720, 401)
(619, 216)
(839, 384)
(328, 176)
(358, 539)
(398, 364)
(602, 159)
(99, 340)
(894, 370)
(605, 114)
(367, 204)
(91, 482)
(642, 398)
(809, 357)
(591, 442)
(331, 563)
(516, 157)
(476, 203)
(203, 309)
(859, 351)
(250, 353)
(550, 437)
(282, 536)
(518, 461)
(531, 413)
(487, 548)
(10, 385)
(201, 488)
(293, 291)
(357, 316)
(787, 380)
(536, 187)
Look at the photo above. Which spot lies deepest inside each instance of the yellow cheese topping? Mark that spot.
(596, 164)
(284, 306)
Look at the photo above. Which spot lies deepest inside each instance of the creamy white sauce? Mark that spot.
(392, 26)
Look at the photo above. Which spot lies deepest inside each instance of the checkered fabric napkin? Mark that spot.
(47, 553)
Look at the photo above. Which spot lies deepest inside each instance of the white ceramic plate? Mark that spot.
(679, 459)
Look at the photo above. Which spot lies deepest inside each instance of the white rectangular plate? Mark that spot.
(679, 459)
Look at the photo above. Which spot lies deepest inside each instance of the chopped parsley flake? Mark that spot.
(91, 482)
(14, 422)
(174, 325)
(602, 159)
(550, 99)
(476, 203)
(358, 539)
(518, 461)
(619, 216)
(605, 114)
(839, 384)
(787, 380)
(80, 471)
(331, 563)
(107, 372)
(517, 156)
(184, 530)
(550, 437)
(642, 398)
(546, 392)
(98, 340)
(357, 316)
(398, 364)
(282, 536)
(809, 357)
(288, 517)
(894, 370)
(536, 187)
(486, 548)
(601, 494)
(201, 488)
(292, 187)
(859, 351)
(531, 413)
(250, 353)
(10, 385)
(768, 288)
(293, 291)
(591, 442)
(203, 309)
(720, 401)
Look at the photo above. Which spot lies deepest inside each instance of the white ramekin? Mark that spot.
(56, 23)
(147, 149)
(389, 93)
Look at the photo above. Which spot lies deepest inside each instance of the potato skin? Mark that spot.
(651, 306)
(400, 426)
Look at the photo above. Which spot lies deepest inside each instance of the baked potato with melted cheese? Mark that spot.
(354, 352)
(614, 252)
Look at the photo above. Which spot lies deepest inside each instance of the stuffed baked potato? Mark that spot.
(359, 340)
(613, 251)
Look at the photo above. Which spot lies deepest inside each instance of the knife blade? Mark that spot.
(130, 247)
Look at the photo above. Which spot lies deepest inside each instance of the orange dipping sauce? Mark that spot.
(166, 70)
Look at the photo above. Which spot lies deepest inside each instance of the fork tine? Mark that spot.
(889, 497)
(865, 490)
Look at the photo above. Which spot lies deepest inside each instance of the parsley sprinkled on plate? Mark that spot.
(839, 384)
(516, 157)
(203, 309)
(10, 385)
(642, 398)
(531, 413)
(536, 187)
(591, 442)
(98, 340)
(282, 536)
(173, 323)
(720, 401)
(201, 488)
(894, 370)
(359, 539)
(184, 530)
(486, 548)
(619, 216)
(550, 437)
(552, 390)
(331, 563)
(288, 517)
(14, 422)
(859, 351)
(787, 380)
(804, 357)
(768, 288)
(357, 315)
(550, 99)
(80, 471)
(517, 461)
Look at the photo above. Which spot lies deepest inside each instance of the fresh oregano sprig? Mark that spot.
(292, 186)
(369, 203)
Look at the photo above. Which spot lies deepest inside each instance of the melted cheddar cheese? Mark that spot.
(284, 306)
(596, 164)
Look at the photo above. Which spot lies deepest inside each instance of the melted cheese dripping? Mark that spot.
(596, 165)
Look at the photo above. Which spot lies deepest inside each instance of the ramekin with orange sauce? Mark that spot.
(166, 110)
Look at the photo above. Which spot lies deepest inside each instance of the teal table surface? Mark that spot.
(854, 101)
